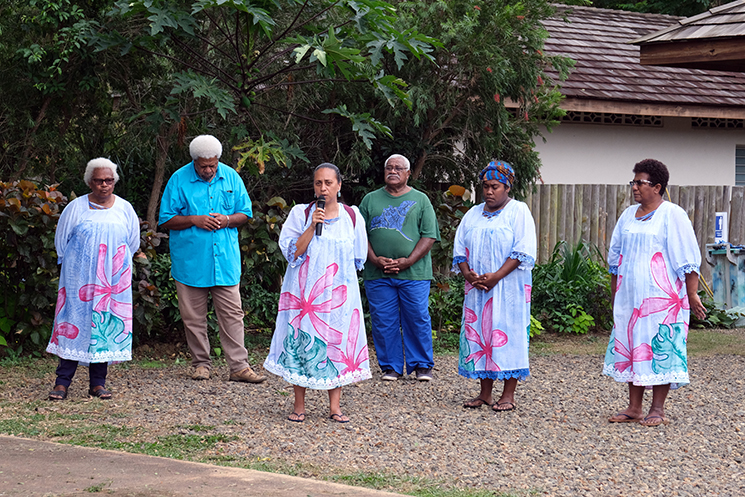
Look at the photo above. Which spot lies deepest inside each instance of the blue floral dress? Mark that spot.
(651, 312)
(319, 340)
(93, 316)
(496, 324)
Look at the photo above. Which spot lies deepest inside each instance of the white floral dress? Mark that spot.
(319, 340)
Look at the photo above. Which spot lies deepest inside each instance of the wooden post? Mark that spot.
(554, 222)
(543, 241)
(737, 216)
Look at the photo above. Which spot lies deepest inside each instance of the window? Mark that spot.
(740, 165)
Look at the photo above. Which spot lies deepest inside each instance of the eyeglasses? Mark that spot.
(398, 169)
(101, 181)
(640, 182)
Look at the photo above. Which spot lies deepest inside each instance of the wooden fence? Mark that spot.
(589, 213)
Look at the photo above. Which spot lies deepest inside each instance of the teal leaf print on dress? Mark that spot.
(669, 349)
(108, 333)
(306, 356)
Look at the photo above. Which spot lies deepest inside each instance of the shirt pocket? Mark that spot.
(228, 201)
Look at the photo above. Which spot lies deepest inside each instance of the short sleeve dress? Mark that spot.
(319, 340)
(496, 324)
(651, 258)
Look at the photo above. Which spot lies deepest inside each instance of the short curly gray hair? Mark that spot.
(398, 156)
(206, 147)
(100, 163)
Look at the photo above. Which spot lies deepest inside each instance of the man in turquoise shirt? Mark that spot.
(203, 205)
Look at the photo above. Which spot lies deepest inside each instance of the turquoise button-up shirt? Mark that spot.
(202, 258)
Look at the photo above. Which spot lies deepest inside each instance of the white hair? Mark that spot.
(206, 147)
(398, 156)
(100, 163)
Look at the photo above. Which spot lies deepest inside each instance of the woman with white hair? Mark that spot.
(96, 236)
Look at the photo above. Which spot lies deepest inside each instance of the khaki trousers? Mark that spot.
(192, 303)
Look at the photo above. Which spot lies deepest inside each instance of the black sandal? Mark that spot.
(101, 393)
(58, 394)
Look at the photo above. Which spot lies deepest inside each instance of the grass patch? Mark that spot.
(198, 427)
(704, 343)
(411, 485)
(153, 364)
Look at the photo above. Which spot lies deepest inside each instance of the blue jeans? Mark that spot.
(396, 306)
(96, 371)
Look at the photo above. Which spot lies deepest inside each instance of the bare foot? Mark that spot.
(338, 417)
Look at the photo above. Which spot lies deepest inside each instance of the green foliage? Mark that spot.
(490, 56)
(263, 261)
(683, 8)
(449, 208)
(242, 56)
(28, 264)
(716, 315)
(571, 292)
(446, 303)
(536, 327)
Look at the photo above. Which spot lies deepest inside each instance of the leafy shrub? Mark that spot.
(449, 211)
(571, 292)
(716, 315)
(260, 305)
(28, 264)
(446, 303)
(259, 241)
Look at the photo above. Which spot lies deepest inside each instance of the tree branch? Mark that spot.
(310, 119)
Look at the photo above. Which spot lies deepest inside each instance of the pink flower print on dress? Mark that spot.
(66, 330)
(108, 290)
(492, 338)
(351, 362)
(638, 354)
(673, 303)
(308, 307)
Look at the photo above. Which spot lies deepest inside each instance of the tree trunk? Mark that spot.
(162, 143)
(29, 139)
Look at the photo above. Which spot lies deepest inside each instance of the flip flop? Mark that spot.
(623, 418)
(476, 403)
(337, 418)
(494, 407)
(300, 417)
(654, 420)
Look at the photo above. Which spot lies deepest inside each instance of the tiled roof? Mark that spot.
(725, 21)
(607, 65)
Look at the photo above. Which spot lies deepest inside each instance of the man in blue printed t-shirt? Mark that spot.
(203, 205)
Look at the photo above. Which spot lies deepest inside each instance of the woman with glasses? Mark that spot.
(495, 249)
(96, 236)
(654, 262)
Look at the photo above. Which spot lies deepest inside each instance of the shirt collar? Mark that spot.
(219, 174)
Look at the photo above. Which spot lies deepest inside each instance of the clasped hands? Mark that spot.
(213, 222)
(484, 281)
(393, 266)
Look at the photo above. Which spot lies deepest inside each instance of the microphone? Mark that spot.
(320, 204)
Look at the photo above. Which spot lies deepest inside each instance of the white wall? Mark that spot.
(606, 154)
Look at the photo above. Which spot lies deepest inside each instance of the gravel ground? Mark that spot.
(558, 441)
